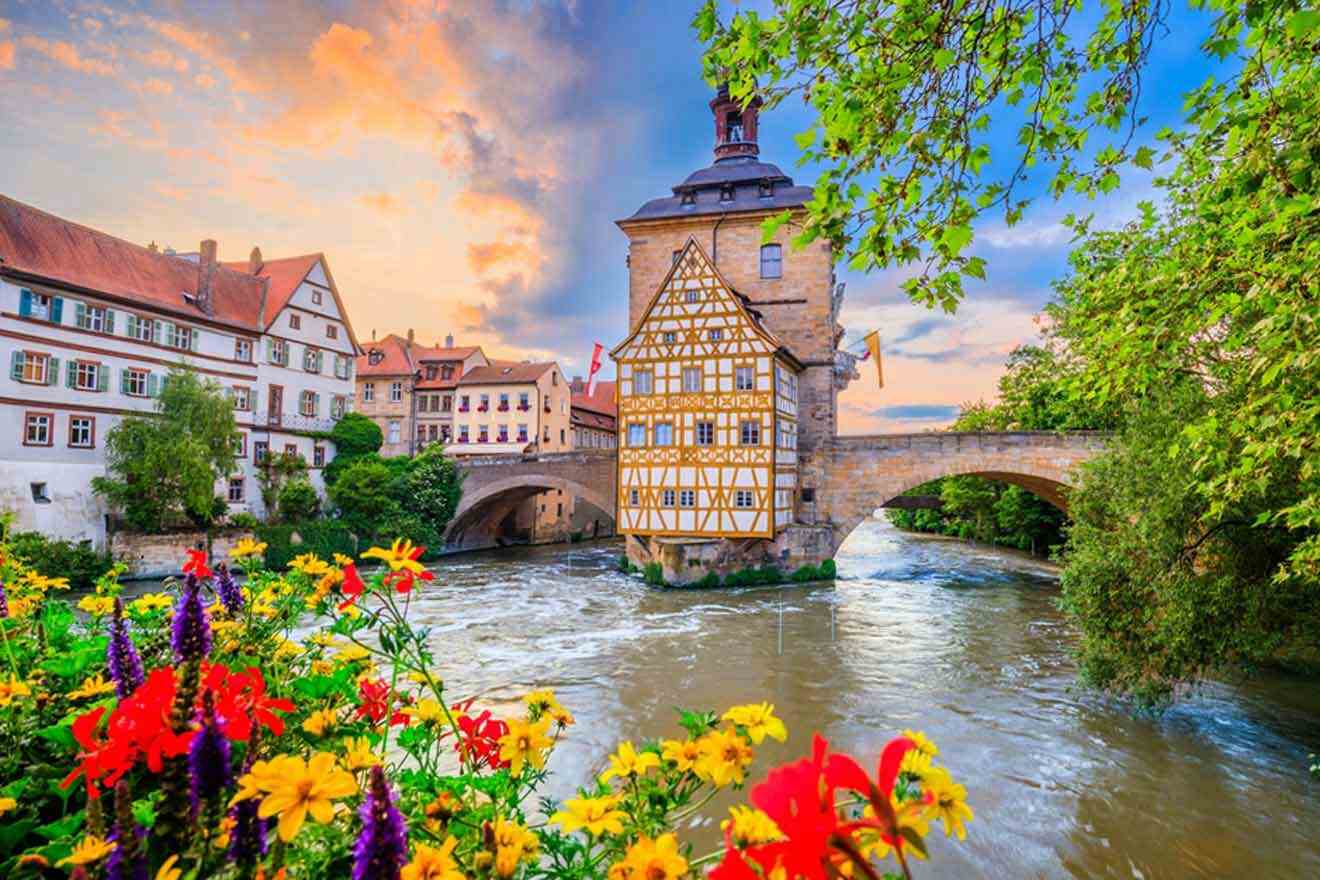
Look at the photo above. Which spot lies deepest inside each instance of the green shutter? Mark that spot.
(123, 381)
(25, 303)
(103, 378)
(16, 364)
(320, 360)
(192, 339)
(155, 332)
(270, 350)
(252, 400)
(57, 310)
(167, 331)
(109, 321)
(153, 385)
(132, 325)
(71, 374)
(53, 371)
(80, 315)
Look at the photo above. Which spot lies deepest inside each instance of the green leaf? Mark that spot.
(1303, 23)
(12, 833)
(943, 58)
(957, 237)
(1144, 158)
(60, 735)
(62, 827)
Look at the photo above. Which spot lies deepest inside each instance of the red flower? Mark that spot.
(404, 580)
(196, 564)
(98, 758)
(800, 800)
(241, 701)
(374, 700)
(480, 737)
(353, 587)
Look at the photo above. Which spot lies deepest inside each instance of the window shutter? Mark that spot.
(80, 314)
(53, 371)
(71, 374)
(165, 329)
(155, 331)
(153, 385)
(270, 350)
(252, 400)
(132, 326)
(57, 310)
(192, 339)
(320, 360)
(103, 378)
(123, 381)
(109, 321)
(16, 364)
(316, 404)
(25, 302)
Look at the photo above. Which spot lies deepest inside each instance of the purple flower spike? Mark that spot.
(208, 759)
(4, 602)
(382, 847)
(226, 587)
(127, 863)
(247, 839)
(122, 658)
(192, 625)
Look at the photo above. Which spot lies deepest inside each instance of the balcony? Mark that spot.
(462, 439)
(503, 438)
(463, 409)
(292, 422)
(483, 408)
(524, 407)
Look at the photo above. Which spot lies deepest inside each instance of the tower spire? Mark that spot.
(735, 126)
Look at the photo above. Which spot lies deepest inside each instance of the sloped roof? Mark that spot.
(705, 191)
(589, 419)
(600, 402)
(285, 274)
(440, 353)
(397, 360)
(46, 247)
(505, 373)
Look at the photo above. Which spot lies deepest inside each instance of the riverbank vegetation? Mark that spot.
(299, 725)
(1192, 331)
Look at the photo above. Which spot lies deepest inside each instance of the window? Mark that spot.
(368, 392)
(749, 434)
(563, 435)
(243, 350)
(744, 498)
(87, 376)
(396, 392)
(318, 456)
(522, 433)
(483, 434)
(37, 429)
(715, 334)
(394, 432)
(312, 359)
(331, 331)
(445, 434)
(240, 445)
(504, 403)
(484, 403)
(687, 498)
(236, 490)
(135, 383)
(667, 498)
(295, 322)
(316, 297)
(669, 337)
(93, 318)
(309, 402)
(242, 398)
(636, 434)
(342, 367)
(692, 380)
(40, 305)
(338, 406)
(462, 433)
(733, 127)
(447, 403)
(142, 329)
(524, 401)
(291, 450)
(260, 451)
(554, 378)
(33, 367)
(692, 296)
(634, 498)
(772, 261)
(643, 382)
(279, 352)
(502, 433)
(705, 433)
(447, 371)
(39, 493)
(82, 432)
(375, 356)
(744, 378)
(181, 337)
(464, 403)
(430, 371)
(664, 434)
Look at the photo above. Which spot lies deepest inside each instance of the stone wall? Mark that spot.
(158, 556)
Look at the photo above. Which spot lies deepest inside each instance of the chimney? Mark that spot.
(449, 340)
(411, 336)
(254, 261)
(577, 385)
(205, 275)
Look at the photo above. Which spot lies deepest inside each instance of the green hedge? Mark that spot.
(322, 537)
(55, 557)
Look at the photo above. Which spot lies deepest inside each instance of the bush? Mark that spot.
(54, 557)
(653, 574)
(322, 537)
(709, 582)
(362, 494)
(298, 501)
(243, 520)
(808, 573)
(355, 434)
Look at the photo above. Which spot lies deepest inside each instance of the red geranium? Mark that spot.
(404, 580)
(480, 737)
(241, 701)
(374, 699)
(98, 759)
(196, 564)
(353, 587)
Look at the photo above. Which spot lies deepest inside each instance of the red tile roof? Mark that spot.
(505, 373)
(42, 246)
(397, 360)
(285, 274)
(602, 401)
(588, 419)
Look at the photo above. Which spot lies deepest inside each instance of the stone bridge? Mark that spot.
(856, 475)
(495, 486)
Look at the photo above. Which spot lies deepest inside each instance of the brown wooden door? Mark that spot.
(275, 407)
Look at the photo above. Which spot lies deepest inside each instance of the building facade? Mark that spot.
(706, 240)
(438, 373)
(504, 407)
(91, 325)
(595, 425)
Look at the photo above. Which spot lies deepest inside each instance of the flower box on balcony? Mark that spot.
(462, 409)
(483, 440)
(483, 408)
(503, 407)
(462, 439)
(522, 407)
(522, 438)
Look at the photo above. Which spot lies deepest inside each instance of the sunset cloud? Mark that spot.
(66, 54)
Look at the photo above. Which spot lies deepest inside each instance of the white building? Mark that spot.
(90, 324)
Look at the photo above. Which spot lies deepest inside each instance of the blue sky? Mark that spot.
(462, 163)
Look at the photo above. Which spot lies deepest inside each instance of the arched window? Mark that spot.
(772, 261)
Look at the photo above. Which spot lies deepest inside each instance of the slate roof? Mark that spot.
(707, 186)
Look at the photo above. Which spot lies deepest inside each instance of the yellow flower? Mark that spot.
(320, 722)
(90, 849)
(922, 742)
(525, 743)
(322, 667)
(7, 804)
(288, 650)
(97, 606)
(541, 701)
(13, 689)
(92, 686)
(42, 583)
(433, 863)
(151, 602)
(352, 654)
(341, 560)
(948, 802)
(398, 557)
(915, 763)
(627, 761)
(725, 756)
(681, 753)
(168, 871)
(298, 788)
(324, 639)
(750, 827)
(513, 844)
(759, 720)
(247, 547)
(426, 711)
(225, 628)
(358, 754)
(657, 859)
(310, 564)
(597, 815)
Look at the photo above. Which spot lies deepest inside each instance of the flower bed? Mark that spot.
(187, 734)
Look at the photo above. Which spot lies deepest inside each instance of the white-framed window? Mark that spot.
(141, 329)
(39, 305)
(687, 498)
(87, 375)
(463, 434)
(242, 398)
(318, 456)
(522, 432)
(772, 261)
(396, 392)
(504, 403)
(394, 429)
(636, 434)
(181, 337)
(309, 402)
(279, 352)
(311, 359)
(667, 498)
(634, 498)
(341, 367)
(82, 432)
(331, 331)
(664, 434)
(136, 383)
(37, 429)
(749, 433)
(643, 382)
(483, 433)
(744, 498)
(243, 350)
(483, 403)
(368, 392)
(94, 318)
(692, 380)
(705, 433)
(744, 378)
(33, 367)
(237, 487)
(260, 451)
(715, 334)
(338, 406)
(295, 321)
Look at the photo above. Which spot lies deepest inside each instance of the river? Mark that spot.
(960, 641)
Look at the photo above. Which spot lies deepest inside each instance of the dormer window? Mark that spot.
(766, 190)
(726, 192)
(733, 127)
(375, 356)
(689, 199)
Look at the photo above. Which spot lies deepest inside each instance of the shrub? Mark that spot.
(653, 574)
(298, 500)
(709, 582)
(355, 434)
(55, 557)
(362, 494)
(243, 520)
(322, 537)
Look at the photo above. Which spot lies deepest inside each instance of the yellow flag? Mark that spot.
(873, 349)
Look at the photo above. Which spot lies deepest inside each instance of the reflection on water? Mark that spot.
(963, 642)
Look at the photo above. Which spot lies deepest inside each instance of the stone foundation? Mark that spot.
(685, 561)
(159, 556)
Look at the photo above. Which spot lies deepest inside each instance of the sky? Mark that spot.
(461, 164)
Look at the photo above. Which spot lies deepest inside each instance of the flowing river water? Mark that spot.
(961, 641)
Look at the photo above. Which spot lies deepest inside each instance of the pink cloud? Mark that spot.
(6, 56)
(67, 55)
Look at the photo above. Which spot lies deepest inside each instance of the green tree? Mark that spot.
(298, 501)
(362, 494)
(433, 486)
(354, 436)
(164, 466)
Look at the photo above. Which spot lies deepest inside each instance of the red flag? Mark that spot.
(595, 368)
